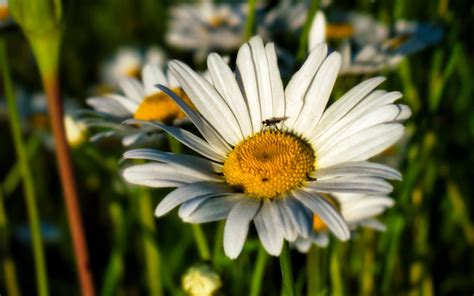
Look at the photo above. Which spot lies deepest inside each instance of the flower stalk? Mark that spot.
(28, 185)
(41, 22)
(288, 288)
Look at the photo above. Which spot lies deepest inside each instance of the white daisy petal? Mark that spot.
(132, 139)
(132, 89)
(290, 233)
(316, 98)
(188, 207)
(210, 104)
(371, 103)
(185, 161)
(129, 104)
(269, 228)
(278, 94)
(365, 208)
(299, 215)
(108, 106)
(101, 135)
(361, 145)
(172, 81)
(188, 192)
(326, 211)
(300, 83)
(237, 225)
(384, 114)
(358, 168)
(374, 224)
(340, 108)
(262, 72)
(303, 245)
(154, 174)
(247, 77)
(321, 239)
(152, 75)
(224, 81)
(208, 132)
(365, 185)
(185, 137)
(214, 209)
(317, 33)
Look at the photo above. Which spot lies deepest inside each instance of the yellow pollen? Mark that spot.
(338, 31)
(4, 13)
(318, 224)
(269, 163)
(160, 107)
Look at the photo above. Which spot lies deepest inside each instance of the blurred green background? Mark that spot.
(427, 249)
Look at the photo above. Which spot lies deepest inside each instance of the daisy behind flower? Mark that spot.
(142, 101)
(357, 210)
(368, 46)
(272, 175)
(207, 26)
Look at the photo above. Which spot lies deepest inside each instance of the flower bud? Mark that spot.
(201, 280)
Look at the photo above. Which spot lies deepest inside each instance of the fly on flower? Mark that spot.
(276, 179)
(273, 121)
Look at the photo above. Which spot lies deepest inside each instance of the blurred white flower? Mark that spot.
(368, 46)
(269, 153)
(206, 26)
(128, 62)
(357, 210)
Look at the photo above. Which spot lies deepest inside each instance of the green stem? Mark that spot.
(249, 25)
(312, 272)
(13, 177)
(286, 272)
(9, 269)
(28, 187)
(257, 276)
(201, 242)
(152, 256)
(115, 266)
(302, 49)
(217, 251)
(336, 271)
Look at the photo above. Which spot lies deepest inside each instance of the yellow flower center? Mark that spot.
(269, 163)
(4, 13)
(338, 31)
(160, 107)
(216, 21)
(133, 72)
(318, 224)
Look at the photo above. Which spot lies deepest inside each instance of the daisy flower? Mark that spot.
(128, 62)
(206, 26)
(268, 152)
(4, 12)
(368, 46)
(6, 20)
(357, 210)
(142, 101)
